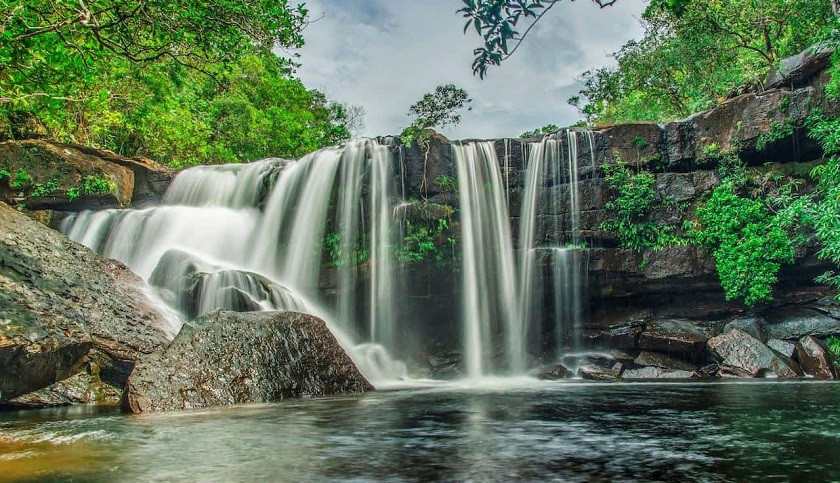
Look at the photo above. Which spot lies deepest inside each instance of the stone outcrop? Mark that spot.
(741, 351)
(65, 311)
(226, 358)
(56, 175)
(815, 358)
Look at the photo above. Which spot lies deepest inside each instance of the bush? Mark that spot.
(747, 242)
(635, 201)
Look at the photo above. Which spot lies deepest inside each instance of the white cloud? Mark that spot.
(385, 54)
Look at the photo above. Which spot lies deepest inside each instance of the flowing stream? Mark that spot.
(502, 431)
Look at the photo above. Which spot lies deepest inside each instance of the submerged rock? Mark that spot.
(747, 355)
(229, 358)
(815, 358)
(82, 388)
(657, 373)
(64, 310)
(555, 372)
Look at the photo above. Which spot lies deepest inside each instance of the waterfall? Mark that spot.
(490, 320)
(319, 235)
(552, 200)
(251, 237)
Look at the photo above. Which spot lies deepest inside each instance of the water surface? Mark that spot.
(497, 431)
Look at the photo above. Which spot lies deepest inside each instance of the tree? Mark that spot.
(547, 129)
(693, 60)
(435, 110)
(181, 81)
(496, 21)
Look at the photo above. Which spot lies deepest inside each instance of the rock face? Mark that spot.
(675, 336)
(229, 358)
(64, 311)
(741, 351)
(815, 358)
(57, 174)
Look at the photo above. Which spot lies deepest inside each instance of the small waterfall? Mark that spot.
(251, 236)
(491, 324)
(552, 199)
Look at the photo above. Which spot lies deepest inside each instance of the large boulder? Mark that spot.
(796, 323)
(743, 352)
(226, 358)
(64, 310)
(815, 358)
(679, 338)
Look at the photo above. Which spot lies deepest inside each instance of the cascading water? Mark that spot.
(491, 324)
(250, 237)
(551, 202)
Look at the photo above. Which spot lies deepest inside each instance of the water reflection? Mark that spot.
(569, 432)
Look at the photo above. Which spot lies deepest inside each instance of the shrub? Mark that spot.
(747, 242)
(635, 201)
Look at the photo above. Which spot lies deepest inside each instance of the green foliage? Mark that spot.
(334, 249)
(436, 109)
(5, 174)
(446, 184)
(94, 185)
(634, 202)
(694, 57)
(747, 242)
(48, 189)
(547, 129)
(833, 344)
(712, 150)
(776, 132)
(428, 240)
(21, 180)
(182, 82)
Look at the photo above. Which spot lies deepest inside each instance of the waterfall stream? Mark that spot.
(264, 235)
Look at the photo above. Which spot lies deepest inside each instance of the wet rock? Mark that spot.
(796, 323)
(679, 338)
(657, 373)
(446, 365)
(81, 388)
(663, 361)
(709, 371)
(783, 347)
(597, 367)
(197, 287)
(64, 310)
(229, 358)
(615, 337)
(555, 372)
(643, 373)
(751, 325)
(815, 358)
(744, 353)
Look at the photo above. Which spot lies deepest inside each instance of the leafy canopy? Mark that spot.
(436, 109)
(182, 81)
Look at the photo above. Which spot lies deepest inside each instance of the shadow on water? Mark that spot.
(709, 432)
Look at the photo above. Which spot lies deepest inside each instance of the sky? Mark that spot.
(385, 54)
